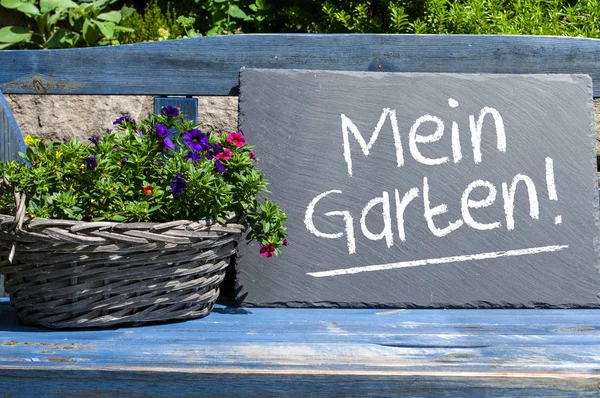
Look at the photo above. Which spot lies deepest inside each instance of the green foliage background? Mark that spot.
(153, 23)
(51, 24)
(163, 19)
(534, 17)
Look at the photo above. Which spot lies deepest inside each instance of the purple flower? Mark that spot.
(91, 162)
(109, 131)
(95, 138)
(139, 133)
(65, 139)
(167, 143)
(161, 163)
(170, 111)
(194, 156)
(219, 167)
(196, 140)
(124, 118)
(124, 160)
(178, 184)
(161, 131)
(213, 150)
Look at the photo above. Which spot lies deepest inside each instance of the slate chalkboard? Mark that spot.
(424, 190)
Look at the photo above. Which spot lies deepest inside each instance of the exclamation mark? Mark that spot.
(552, 186)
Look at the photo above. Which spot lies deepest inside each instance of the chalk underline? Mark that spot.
(441, 260)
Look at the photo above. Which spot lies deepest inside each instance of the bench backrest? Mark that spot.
(210, 65)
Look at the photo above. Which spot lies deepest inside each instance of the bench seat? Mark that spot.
(301, 351)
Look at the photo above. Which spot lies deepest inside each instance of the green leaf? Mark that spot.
(90, 32)
(253, 7)
(11, 4)
(112, 16)
(220, 1)
(4, 46)
(51, 5)
(62, 38)
(29, 9)
(107, 28)
(76, 20)
(100, 4)
(26, 8)
(126, 12)
(236, 12)
(213, 32)
(219, 17)
(54, 18)
(116, 217)
(124, 29)
(15, 34)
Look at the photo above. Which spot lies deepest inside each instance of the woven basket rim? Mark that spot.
(29, 222)
(103, 235)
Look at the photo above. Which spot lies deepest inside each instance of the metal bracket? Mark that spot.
(187, 106)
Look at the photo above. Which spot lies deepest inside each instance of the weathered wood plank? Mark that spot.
(55, 384)
(210, 65)
(11, 143)
(503, 351)
(11, 140)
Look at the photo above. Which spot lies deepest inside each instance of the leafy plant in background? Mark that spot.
(155, 23)
(366, 17)
(187, 23)
(62, 23)
(48, 23)
(214, 17)
(223, 16)
(532, 17)
(260, 15)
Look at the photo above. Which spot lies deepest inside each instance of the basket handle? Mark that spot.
(17, 224)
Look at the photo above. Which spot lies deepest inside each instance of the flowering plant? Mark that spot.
(161, 169)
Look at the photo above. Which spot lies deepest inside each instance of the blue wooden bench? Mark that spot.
(298, 352)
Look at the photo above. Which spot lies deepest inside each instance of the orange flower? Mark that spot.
(148, 190)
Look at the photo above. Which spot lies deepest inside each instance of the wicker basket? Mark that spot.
(65, 274)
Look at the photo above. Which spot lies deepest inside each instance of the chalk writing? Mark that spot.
(348, 127)
(432, 210)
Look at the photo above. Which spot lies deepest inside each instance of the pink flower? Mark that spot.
(252, 156)
(225, 155)
(237, 139)
(267, 250)
(286, 242)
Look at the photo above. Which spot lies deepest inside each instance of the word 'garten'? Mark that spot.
(431, 210)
